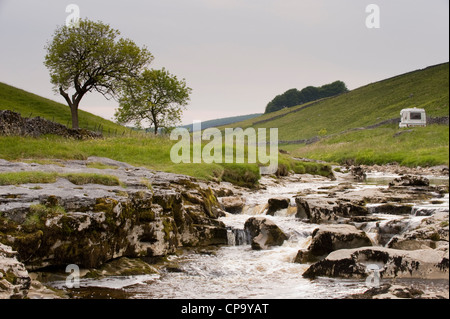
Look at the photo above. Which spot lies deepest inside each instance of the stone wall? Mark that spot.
(13, 124)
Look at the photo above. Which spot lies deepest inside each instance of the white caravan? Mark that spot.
(413, 117)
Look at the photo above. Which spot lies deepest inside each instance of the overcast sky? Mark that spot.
(237, 55)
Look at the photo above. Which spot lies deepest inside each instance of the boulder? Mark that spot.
(14, 278)
(264, 233)
(358, 173)
(387, 229)
(391, 209)
(410, 180)
(328, 238)
(233, 204)
(392, 263)
(319, 210)
(276, 204)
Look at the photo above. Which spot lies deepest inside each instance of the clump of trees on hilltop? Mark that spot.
(295, 97)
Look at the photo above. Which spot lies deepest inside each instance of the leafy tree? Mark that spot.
(156, 97)
(332, 89)
(310, 93)
(295, 97)
(91, 57)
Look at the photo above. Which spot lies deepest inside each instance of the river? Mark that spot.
(237, 271)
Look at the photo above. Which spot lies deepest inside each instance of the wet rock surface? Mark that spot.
(431, 233)
(276, 204)
(328, 238)
(402, 291)
(233, 204)
(358, 173)
(264, 233)
(410, 180)
(328, 210)
(391, 263)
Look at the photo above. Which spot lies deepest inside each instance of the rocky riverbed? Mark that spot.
(50, 225)
(160, 235)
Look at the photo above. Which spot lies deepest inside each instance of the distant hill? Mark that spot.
(32, 105)
(332, 129)
(223, 121)
(368, 105)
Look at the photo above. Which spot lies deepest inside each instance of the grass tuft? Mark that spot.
(18, 178)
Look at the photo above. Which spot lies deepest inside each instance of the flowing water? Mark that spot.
(237, 271)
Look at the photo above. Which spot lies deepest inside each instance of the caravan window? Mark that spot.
(415, 116)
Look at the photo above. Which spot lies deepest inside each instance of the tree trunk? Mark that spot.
(73, 105)
(155, 120)
(74, 112)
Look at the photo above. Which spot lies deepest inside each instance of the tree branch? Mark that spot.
(66, 97)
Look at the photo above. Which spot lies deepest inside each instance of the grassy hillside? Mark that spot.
(32, 105)
(332, 118)
(373, 103)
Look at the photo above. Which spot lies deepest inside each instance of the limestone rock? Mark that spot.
(432, 232)
(392, 263)
(233, 204)
(391, 209)
(396, 291)
(328, 238)
(276, 204)
(410, 180)
(386, 230)
(14, 278)
(264, 233)
(319, 210)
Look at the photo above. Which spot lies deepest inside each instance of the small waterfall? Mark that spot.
(231, 238)
(238, 237)
(255, 209)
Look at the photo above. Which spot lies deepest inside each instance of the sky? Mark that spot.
(237, 55)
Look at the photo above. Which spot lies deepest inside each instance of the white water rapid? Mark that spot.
(237, 271)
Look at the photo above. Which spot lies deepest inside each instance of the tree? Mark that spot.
(91, 57)
(295, 97)
(334, 88)
(156, 97)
